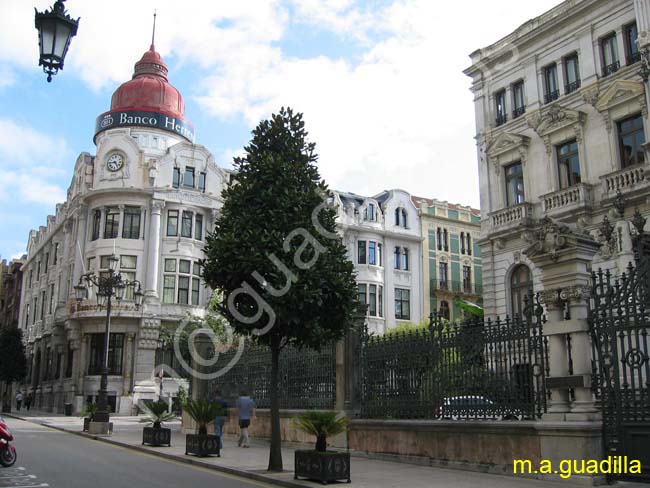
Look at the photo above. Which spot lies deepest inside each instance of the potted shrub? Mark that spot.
(88, 414)
(202, 412)
(320, 464)
(155, 414)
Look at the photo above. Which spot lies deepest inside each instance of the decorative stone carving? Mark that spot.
(500, 243)
(507, 142)
(619, 92)
(548, 237)
(149, 330)
(590, 94)
(546, 121)
(575, 293)
(157, 205)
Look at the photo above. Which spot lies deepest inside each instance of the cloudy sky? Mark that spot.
(380, 84)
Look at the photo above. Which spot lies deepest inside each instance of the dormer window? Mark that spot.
(188, 177)
(176, 179)
(370, 212)
(400, 217)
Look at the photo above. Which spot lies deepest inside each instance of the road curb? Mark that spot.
(173, 457)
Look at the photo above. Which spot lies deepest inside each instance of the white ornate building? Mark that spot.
(562, 122)
(149, 195)
(383, 238)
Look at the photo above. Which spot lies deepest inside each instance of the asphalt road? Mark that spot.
(50, 458)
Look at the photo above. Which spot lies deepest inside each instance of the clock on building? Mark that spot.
(115, 162)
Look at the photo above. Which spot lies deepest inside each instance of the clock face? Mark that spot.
(115, 162)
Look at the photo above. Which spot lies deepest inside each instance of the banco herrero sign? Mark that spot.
(142, 118)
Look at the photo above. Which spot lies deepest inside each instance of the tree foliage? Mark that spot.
(284, 274)
(13, 361)
(278, 188)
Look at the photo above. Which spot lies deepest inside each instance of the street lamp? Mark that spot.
(55, 30)
(109, 285)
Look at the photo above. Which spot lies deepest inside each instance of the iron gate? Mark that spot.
(619, 320)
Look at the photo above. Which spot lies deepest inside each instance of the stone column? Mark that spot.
(80, 244)
(153, 250)
(63, 264)
(558, 358)
(583, 406)
(563, 254)
(81, 363)
(120, 224)
(128, 364)
(642, 13)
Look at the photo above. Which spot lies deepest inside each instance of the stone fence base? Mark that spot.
(261, 428)
(488, 446)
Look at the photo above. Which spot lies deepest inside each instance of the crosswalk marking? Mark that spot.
(19, 478)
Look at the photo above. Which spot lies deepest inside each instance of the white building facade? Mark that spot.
(149, 195)
(562, 122)
(383, 237)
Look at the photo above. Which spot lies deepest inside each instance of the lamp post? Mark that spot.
(55, 31)
(109, 285)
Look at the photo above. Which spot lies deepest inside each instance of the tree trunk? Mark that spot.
(321, 442)
(275, 453)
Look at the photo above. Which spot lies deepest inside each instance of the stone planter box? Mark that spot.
(156, 437)
(322, 466)
(202, 445)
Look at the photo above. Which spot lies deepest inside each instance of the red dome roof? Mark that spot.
(149, 88)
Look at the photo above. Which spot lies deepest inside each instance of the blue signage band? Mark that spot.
(143, 118)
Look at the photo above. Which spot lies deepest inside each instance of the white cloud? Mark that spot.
(30, 188)
(399, 116)
(23, 145)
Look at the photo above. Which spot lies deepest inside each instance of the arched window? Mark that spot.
(521, 284)
(397, 216)
(444, 309)
(403, 223)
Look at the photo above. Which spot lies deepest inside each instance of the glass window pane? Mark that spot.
(183, 289)
(186, 225)
(128, 262)
(361, 251)
(169, 288)
(184, 266)
(170, 265)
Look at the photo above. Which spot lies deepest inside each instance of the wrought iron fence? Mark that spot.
(307, 378)
(475, 369)
(166, 356)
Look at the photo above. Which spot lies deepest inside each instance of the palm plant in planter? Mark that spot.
(202, 412)
(320, 464)
(156, 413)
(88, 414)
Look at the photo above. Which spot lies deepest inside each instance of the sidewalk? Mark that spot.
(252, 463)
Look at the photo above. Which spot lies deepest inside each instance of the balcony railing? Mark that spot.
(624, 180)
(611, 68)
(571, 87)
(518, 112)
(467, 288)
(567, 199)
(550, 96)
(501, 119)
(512, 216)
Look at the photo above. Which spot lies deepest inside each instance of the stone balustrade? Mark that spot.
(567, 199)
(510, 217)
(623, 180)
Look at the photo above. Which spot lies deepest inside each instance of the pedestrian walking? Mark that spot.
(245, 412)
(220, 420)
(19, 399)
(28, 400)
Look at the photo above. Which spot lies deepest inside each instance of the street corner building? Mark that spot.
(149, 195)
(562, 122)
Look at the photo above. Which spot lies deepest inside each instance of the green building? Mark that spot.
(451, 260)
